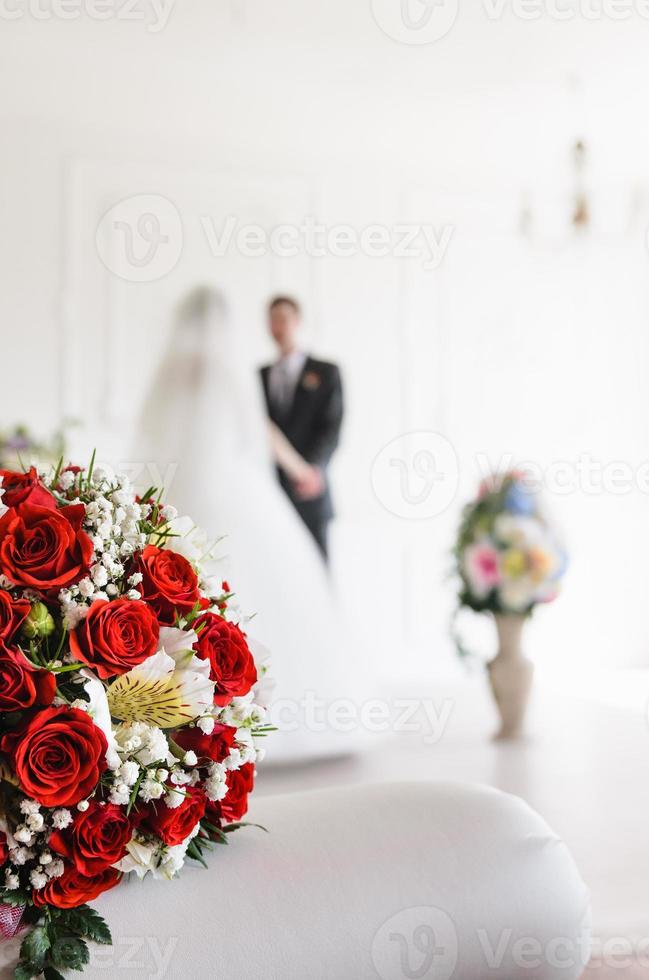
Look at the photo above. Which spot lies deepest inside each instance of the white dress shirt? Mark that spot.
(284, 377)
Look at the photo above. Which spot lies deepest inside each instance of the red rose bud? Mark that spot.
(73, 889)
(169, 583)
(57, 756)
(115, 636)
(214, 748)
(21, 487)
(44, 549)
(173, 826)
(96, 840)
(232, 666)
(22, 685)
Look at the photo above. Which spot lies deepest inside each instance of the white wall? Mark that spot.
(271, 112)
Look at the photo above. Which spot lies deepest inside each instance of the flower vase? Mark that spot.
(510, 675)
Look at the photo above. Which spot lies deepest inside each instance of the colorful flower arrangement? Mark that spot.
(507, 556)
(17, 445)
(130, 706)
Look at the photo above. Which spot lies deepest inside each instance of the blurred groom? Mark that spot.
(305, 400)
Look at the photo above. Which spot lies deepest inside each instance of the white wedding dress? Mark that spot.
(205, 414)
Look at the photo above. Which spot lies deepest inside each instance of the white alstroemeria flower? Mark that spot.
(161, 693)
(139, 857)
(265, 686)
(178, 644)
(99, 711)
(187, 539)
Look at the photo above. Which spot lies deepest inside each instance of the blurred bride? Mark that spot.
(204, 414)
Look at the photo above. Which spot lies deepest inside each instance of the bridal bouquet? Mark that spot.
(129, 712)
(507, 556)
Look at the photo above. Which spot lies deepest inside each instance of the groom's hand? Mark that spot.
(311, 485)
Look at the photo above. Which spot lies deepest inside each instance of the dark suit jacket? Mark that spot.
(312, 426)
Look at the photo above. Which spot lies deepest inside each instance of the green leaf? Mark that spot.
(15, 897)
(35, 947)
(87, 922)
(194, 853)
(25, 971)
(50, 973)
(71, 953)
(231, 827)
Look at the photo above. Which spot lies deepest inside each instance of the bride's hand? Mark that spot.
(310, 485)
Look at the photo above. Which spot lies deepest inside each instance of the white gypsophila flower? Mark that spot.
(128, 773)
(20, 856)
(66, 480)
(190, 758)
(61, 819)
(120, 794)
(11, 880)
(45, 857)
(29, 806)
(86, 588)
(82, 806)
(216, 786)
(234, 760)
(150, 790)
(37, 879)
(135, 578)
(146, 743)
(206, 724)
(99, 576)
(23, 834)
(55, 869)
(35, 821)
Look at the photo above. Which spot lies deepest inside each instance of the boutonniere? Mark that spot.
(311, 381)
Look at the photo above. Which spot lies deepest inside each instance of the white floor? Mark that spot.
(584, 767)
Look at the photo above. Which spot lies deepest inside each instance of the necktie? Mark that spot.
(283, 390)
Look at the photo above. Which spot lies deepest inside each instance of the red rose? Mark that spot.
(96, 840)
(21, 487)
(175, 826)
(232, 664)
(215, 747)
(169, 583)
(57, 755)
(4, 850)
(73, 889)
(240, 784)
(44, 549)
(21, 684)
(115, 636)
(13, 613)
